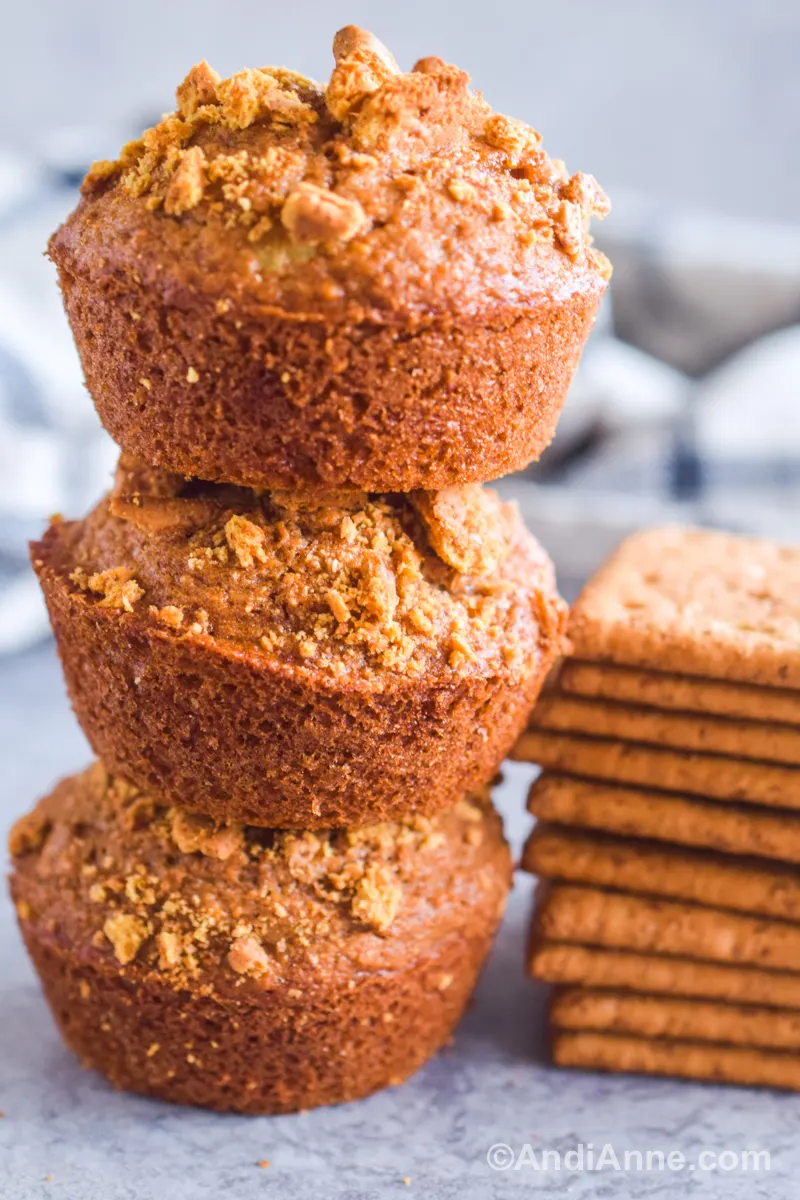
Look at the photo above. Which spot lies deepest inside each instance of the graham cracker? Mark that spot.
(567, 912)
(709, 775)
(757, 740)
(593, 966)
(684, 1060)
(675, 1018)
(697, 876)
(682, 693)
(728, 827)
(695, 602)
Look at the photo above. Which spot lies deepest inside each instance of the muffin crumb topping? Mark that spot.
(313, 214)
(126, 934)
(116, 585)
(187, 184)
(248, 957)
(198, 89)
(181, 894)
(299, 167)
(377, 898)
(246, 540)
(346, 583)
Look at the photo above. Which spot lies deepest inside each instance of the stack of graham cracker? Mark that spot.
(668, 811)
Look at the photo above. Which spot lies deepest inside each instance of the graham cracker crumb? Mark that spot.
(170, 615)
(246, 540)
(126, 934)
(569, 228)
(514, 138)
(117, 586)
(461, 652)
(363, 64)
(28, 834)
(198, 89)
(462, 191)
(248, 957)
(139, 890)
(464, 528)
(377, 898)
(252, 94)
(197, 834)
(314, 214)
(337, 605)
(584, 191)
(185, 190)
(170, 948)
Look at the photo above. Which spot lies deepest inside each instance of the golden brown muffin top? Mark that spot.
(381, 191)
(446, 583)
(205, 904)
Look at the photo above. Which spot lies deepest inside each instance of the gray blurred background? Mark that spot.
(694, 102)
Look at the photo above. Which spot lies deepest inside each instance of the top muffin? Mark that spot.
(379, 284)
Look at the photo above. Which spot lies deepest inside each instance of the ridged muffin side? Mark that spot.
(380, 283)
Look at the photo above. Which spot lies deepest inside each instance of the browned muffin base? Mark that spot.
(286, 402)
(281, 1055)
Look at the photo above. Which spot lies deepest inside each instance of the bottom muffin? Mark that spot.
(240, 968)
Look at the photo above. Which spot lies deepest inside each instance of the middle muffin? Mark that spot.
(300, 660)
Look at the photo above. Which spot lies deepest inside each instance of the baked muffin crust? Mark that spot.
(339, 198)
(234, 967)
(300, 661)
(380, 283)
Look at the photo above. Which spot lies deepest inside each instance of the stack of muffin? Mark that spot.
(298, 634)
(669, 813)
